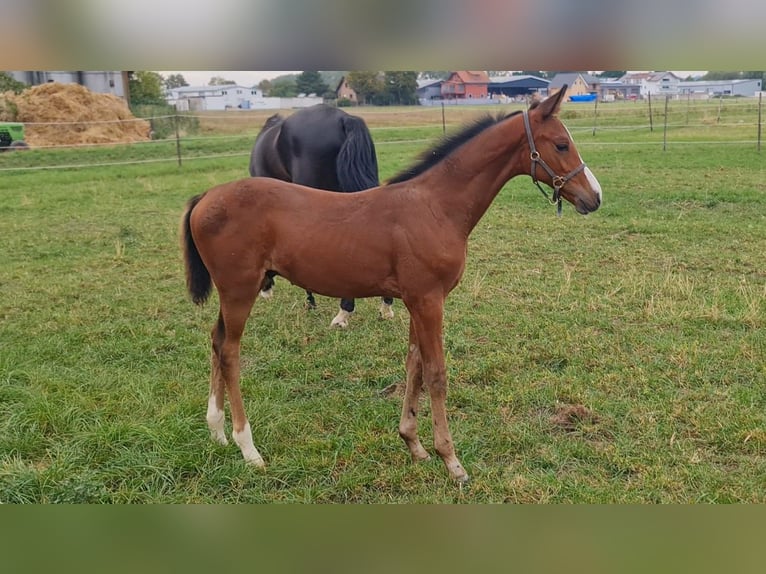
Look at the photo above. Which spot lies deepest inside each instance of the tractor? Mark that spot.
(12, 136)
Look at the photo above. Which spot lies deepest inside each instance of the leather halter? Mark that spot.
(558, 181)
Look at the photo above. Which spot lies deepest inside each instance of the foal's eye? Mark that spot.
(562, 146)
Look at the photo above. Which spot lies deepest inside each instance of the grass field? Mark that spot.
(614, 358)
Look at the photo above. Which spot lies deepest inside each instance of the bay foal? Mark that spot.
(406, 240)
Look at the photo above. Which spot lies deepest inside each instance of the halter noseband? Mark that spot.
(557, 180)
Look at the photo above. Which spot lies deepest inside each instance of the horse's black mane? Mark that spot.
(447, 145)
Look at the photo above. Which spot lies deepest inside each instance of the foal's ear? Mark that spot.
(550, 105)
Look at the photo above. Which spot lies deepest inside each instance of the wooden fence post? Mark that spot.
(444, 123)
(665, 127)
(178, 138)
(595, 116)
(760, 105)
(651, 120)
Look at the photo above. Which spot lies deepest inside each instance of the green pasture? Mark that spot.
(613, 358)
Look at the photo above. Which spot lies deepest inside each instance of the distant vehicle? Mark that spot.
(12, 136)
(583, 97)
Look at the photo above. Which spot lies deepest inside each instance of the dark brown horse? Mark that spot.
(406, 240)
(322, 147)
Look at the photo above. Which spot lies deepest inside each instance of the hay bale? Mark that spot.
(58, 105)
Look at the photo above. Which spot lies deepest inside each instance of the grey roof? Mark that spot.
(569, 78)
(522, 81)
(426, 83)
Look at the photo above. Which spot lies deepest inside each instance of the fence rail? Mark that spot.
(204, 136)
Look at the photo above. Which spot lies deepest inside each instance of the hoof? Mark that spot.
(255, 460)
(219, 438)
(386, 311)
(268, 294)
(341, 319)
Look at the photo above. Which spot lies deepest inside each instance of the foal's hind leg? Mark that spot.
(408, 424)
(235, 308)
(216, 416)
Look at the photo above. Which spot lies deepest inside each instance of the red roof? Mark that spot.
(467, 77)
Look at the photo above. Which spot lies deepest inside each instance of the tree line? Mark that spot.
(376, 88)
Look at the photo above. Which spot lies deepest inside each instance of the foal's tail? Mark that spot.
(197, 276)
(357, 164)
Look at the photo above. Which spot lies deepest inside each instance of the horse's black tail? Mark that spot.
(357, 163)
(197, 276)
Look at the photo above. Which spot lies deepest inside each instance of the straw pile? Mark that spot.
(70, 114)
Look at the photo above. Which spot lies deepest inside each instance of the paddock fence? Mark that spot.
(658, 123)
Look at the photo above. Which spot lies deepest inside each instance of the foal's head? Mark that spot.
(554, 159)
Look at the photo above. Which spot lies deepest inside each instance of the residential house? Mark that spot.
(653, 83)
(578, 84)
(465, 85)
(344, 91)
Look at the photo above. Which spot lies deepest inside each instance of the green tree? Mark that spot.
(283, 87)
(401, 87)
(611, 74)
(434, 75)
(732, 75)
(367, 85)
(311, 82)
(265, 87)
(9, 84)
(146, 88)
(175, 81)
(220, 81)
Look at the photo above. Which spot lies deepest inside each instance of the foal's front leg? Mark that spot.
(427, 316)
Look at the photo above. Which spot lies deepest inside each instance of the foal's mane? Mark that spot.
(447, 144)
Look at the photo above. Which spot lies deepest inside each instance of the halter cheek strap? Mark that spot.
(557, 181)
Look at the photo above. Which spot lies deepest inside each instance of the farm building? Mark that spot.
(517, 86)
(429, 89)
(230, 97)
(106, 82)
(715, 88)
(214, 98)
(578, 84)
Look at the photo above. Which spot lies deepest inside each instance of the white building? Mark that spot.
(653, 83)
(231, 97)
(214, 98)
(715, 88)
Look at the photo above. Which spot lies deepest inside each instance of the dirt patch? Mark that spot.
(569, 417)
(70, 114)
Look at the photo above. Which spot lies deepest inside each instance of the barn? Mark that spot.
(517, 86)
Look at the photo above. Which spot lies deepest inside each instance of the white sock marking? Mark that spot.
(215, 421)
(341, 319)
(244, 440)
(386, 311)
